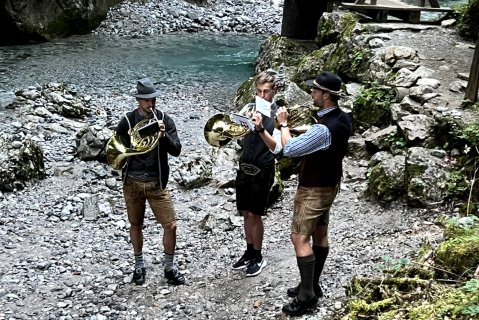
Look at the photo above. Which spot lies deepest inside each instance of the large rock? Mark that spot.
(386, 176)
(279, 50)
(20, 163)
(90, 142)
(23, 21)
(426, 177)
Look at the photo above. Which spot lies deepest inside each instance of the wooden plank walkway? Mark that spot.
(380, 9)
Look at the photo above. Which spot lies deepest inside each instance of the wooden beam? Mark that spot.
(473, 83)
(353, 6)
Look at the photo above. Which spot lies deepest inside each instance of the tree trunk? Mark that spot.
(473, 83)
(300, 18)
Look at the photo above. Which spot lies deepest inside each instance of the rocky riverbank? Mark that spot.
(133, 20)
(58, 263)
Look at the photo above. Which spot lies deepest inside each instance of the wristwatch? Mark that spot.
(260, 130)
(284, 124)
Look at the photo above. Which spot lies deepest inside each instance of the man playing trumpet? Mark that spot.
(322, 148)
(256, 175)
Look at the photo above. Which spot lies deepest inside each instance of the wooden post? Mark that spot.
(473, 83)
(300, 18)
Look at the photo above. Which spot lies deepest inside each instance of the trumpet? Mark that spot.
(220, 129)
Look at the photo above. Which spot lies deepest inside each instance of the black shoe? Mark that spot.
(243, 262)
(139, 276)
(255, 267)
(293, 292)
(297, 308)
(175, 277)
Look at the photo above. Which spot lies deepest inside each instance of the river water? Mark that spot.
(100, 65)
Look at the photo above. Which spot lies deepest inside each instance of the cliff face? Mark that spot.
(23, 21)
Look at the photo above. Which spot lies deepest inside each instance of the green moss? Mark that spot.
(372, 106)
(349, 21)
(325, 32)
(424, 302)
(459, 256)
(244, 94)
(459, 227)
(385, 187)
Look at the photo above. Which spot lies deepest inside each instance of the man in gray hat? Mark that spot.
(145, 177)
(322, 148)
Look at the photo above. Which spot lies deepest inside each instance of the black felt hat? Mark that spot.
(327, 81)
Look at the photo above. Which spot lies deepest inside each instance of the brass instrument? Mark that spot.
(300, 119)
(220, 129)
(117, 152)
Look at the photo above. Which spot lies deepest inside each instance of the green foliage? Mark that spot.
(470, 307)
(472, 286)
(392, 264)
(456, 185)
(372, 106)
(468, 19)
(396, 141)
(471, 134)
(358, 59)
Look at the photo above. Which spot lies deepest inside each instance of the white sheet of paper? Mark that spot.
(263, 106)
(243, 120)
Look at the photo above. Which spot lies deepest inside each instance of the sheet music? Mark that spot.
(263, 106)
(243, 120)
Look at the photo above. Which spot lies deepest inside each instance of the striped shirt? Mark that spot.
(318, 137)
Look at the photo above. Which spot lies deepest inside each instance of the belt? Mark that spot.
(249, 169)
(144, 178)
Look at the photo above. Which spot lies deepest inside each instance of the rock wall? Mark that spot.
(23, 21)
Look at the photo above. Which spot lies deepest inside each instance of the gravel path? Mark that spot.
(56, 265)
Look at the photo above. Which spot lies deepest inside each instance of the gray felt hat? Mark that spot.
(146, 89)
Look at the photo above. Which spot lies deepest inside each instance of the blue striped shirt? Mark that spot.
(318, 137)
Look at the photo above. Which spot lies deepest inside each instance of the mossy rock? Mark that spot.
(20, 166)
(386, 178)
(459, 227)
(334, 26)
(244, 94)
(459, 256)
(278, 50)
(372, 107)
(426, 302)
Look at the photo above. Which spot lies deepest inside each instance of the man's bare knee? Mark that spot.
(170, 226)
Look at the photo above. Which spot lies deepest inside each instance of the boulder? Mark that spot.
(91, 141)
(459, 254)
(20, 163)
(426, 177)
(25, 21)
(416, 127)
(386, 175)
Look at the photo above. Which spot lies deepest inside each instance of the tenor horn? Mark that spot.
(220, 129)
(144, 137)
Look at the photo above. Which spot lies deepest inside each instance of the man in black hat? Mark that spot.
(322, 148)
(145, 177)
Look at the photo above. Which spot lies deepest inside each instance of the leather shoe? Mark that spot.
(297, 308)
(139, 276)
(175, 277)
(293, 292)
